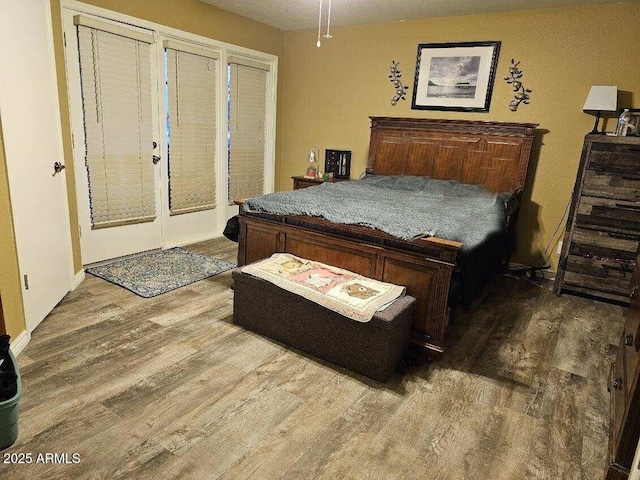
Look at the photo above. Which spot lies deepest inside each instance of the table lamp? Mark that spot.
(312, 163)
(601, 99)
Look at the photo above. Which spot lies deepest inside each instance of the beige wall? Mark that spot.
(10, 289)
(331, 91)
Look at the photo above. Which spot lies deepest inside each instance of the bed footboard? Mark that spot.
(426, 274)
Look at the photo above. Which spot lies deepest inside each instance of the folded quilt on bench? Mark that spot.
(342, 291)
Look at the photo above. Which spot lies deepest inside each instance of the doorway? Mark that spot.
(176, 177)
(32, 139)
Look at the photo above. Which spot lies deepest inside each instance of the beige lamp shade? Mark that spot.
(602, 99)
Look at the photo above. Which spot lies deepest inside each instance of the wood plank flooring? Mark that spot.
(170, 388)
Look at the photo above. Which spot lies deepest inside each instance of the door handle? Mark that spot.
(155, 159)
(57, 168)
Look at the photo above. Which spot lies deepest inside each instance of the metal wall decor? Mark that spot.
(394, 77)
(514, 79)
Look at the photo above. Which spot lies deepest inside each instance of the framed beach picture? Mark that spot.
(455, 76)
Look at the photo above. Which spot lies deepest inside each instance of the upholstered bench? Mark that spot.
(372, 348)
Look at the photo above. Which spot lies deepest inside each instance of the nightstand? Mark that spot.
(304, 182)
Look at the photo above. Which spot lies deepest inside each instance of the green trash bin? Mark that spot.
(9, 410)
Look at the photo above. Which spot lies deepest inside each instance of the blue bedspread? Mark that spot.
(403, 206)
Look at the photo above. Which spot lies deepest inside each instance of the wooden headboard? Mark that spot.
(493, 154)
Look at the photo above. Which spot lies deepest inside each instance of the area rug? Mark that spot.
(154, 273)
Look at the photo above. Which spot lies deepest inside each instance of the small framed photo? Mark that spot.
(633, 127)
(455, 76)
(338, 162)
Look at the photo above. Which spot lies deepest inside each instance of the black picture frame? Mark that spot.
(455, 76)
(338, 162)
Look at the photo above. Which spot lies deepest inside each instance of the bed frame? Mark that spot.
(493, 154)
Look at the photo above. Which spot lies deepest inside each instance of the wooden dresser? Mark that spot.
(625, 391)
(603, 229)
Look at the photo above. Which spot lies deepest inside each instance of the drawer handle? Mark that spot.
(628, 339)
(634, 292)
(622, 267)
(617, 383)
(627, 207)
(624, 236)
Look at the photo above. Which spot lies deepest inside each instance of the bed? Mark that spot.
(492, 154)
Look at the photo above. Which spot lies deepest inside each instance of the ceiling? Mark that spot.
(295, 14)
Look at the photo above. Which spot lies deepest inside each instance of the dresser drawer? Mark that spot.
(609, 157)
(630, 341)
(597, 274)
(604, 244)
(618, 397)
(623, 186)
(634, 295)
(300, 184)
(634, 307)
(616, 216)
(613, 171)
(629, 344)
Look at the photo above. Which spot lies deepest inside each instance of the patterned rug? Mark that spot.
(154, 273)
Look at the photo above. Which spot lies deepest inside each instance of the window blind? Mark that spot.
(247, 113)
(192, 128)
(96, 24)
(115, 73)
(247, 62)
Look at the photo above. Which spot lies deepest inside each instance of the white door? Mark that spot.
(111, 75)
(32, 138)
(189, 111)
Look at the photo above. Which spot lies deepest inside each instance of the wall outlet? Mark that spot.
(559, 247)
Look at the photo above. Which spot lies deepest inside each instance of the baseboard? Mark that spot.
(20, 342)
(548, 274)
(78, 279)
(190, 241)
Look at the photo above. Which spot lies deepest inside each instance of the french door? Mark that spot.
(116, 151)
(156, 138)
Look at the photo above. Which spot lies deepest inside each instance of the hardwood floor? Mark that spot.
(169, 388)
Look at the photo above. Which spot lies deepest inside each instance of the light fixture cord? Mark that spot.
(328, 35)
(319, 24)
